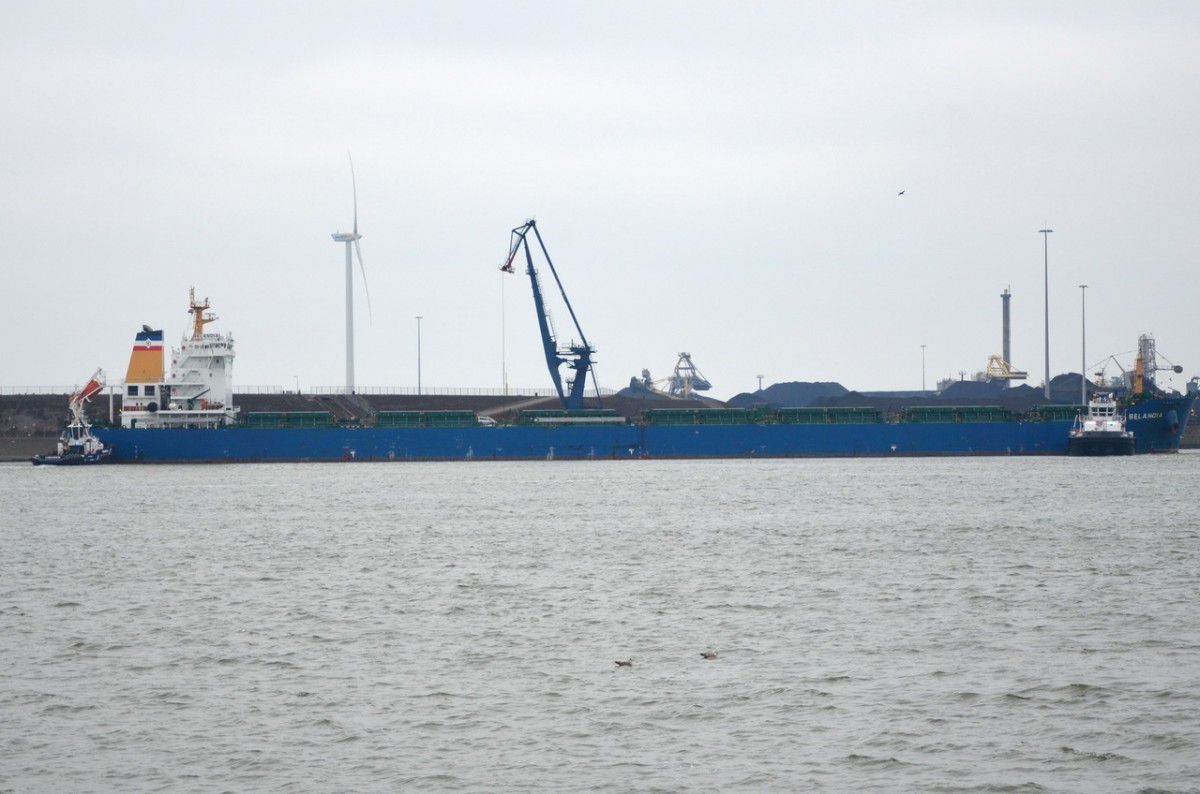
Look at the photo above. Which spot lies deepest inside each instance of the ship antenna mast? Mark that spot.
(199, 316)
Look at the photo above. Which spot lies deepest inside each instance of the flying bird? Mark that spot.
(901, 193)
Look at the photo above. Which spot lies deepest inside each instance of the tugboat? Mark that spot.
(1102, 431)
(77, 446)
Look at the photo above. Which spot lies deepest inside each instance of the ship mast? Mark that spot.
(199, 318)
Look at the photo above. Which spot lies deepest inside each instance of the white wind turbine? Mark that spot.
(351, 239)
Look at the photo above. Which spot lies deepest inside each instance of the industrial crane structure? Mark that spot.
(687, 378)
(683, 381)
(1140, 380)
(1147, 364)
(577, 357)
(999, 369)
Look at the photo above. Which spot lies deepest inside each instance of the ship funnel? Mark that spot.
(146, 360)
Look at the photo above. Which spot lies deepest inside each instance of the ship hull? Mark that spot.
(1157, 424)
(1101, 444)
(71, 460)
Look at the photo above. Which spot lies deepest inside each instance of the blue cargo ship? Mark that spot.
(186, 414)
(1155, 430)
(1157, 424)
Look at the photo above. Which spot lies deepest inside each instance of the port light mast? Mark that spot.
(577, 357)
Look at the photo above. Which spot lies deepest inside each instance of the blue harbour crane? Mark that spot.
(577, 357)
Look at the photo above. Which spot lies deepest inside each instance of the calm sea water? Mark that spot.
(881, 625)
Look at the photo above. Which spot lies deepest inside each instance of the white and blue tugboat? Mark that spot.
(77, 446)
(1101, 431)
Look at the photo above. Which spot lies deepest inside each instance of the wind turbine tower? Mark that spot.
(351, 239)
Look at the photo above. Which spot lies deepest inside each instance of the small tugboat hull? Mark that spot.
(1095, 444)
(71, 460)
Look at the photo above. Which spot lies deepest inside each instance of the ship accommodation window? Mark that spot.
(149, 391)
(132, 391)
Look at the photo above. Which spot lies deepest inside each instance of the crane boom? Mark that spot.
(81, 396)
(577, 357)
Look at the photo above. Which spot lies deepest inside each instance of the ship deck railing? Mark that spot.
(698, 416)
(957, 413)
(840, 415)
(396, 419)
(577, 420)
(287, 419)
(584, 416)
(1056, 413)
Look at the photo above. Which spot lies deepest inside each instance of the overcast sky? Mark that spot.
(715, 178)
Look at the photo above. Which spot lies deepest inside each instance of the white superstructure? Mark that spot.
(197, 390)
(1102, 417)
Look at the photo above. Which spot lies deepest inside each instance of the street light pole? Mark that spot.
(922, 370)
(1083, 346)
(1046, 274)
(503, 342)
(418, 355)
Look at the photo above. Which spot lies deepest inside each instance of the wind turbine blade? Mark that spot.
(353, 187)
(363, 270)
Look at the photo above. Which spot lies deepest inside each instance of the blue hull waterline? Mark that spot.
(1158, 425)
